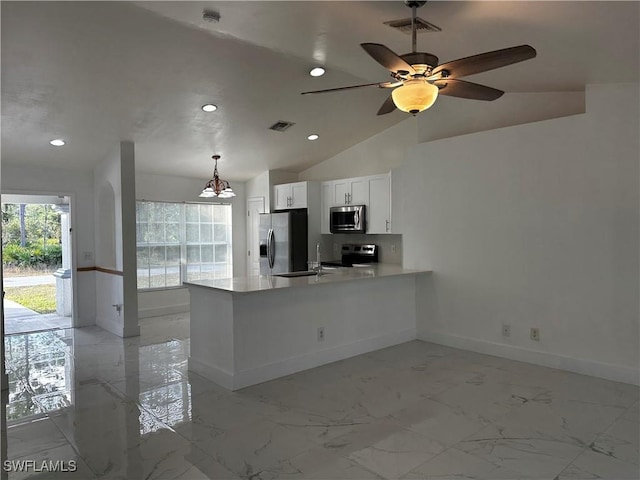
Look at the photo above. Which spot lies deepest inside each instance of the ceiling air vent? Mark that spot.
(211, 16)
(281, 126)
(404, 25)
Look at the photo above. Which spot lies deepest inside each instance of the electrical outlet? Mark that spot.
(335, 248)
(393, 248)
(506, 330)
(320, 334)
(87, 256)
(535, 334)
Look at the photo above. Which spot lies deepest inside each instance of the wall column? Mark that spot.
(128, 233)
(64, 299)
(115, 237)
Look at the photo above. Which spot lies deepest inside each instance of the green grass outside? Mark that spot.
(39, 298)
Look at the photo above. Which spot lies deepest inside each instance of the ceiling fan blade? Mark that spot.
(387, 107)
(483, 62)
(462, 89)
(378, 84)
(387, 58)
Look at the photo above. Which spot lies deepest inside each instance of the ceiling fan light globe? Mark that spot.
(414, 96)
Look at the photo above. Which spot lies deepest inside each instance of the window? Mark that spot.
(179, 242)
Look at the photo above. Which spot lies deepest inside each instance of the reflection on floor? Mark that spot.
(129, 409)
(19, 319)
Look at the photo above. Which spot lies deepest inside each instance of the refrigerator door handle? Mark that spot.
(269, 248)
(272, 248)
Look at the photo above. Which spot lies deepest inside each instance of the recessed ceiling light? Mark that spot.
(209, 107)
(313, 136)
(317, 72)
(58, 142)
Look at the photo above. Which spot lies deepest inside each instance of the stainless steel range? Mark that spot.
(355, 254)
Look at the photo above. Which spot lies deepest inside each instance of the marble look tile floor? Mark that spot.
(129, 409)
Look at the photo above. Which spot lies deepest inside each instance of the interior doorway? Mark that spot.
(36, 263)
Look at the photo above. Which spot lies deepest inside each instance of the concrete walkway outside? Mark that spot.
(19, 319)
(47, 279)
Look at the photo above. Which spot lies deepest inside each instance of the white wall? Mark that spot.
(115, 234)
(445, 120)
(154, 303)
(377, 154)
(161, 188)
(79, 185)
(388, 149)
(533, 226)
(260, 187)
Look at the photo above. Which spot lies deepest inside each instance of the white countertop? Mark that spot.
(330, 275)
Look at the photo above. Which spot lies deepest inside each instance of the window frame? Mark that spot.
(183, 244)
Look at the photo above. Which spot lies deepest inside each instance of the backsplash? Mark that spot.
(390, 246)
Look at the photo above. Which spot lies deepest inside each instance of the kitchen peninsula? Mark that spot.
(248, 330)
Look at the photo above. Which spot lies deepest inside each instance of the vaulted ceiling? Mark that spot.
(95, 73)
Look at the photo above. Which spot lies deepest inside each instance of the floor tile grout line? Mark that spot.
(571, 462)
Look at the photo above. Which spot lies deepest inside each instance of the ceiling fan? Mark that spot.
(418, 79)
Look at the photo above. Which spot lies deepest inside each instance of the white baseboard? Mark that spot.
(299, 363)
(119, 330)
(618, 373)
(215, 374)
(160, 311)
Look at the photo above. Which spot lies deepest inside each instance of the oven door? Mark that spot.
(347, 219)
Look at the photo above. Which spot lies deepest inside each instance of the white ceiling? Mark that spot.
(95, 73)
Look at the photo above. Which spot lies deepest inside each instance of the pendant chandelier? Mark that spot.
(217, 187)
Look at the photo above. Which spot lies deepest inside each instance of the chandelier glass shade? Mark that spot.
(217, 187)
(414, 96)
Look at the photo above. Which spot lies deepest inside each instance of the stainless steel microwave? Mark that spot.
(348, 219)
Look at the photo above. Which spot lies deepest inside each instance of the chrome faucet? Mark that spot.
(318, 263)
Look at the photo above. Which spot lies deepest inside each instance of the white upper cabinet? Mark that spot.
(379, 209)
(372, 191)
(290, 195)
(299, 195)
(350, 191)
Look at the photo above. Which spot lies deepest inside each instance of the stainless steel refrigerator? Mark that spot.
(283, 242)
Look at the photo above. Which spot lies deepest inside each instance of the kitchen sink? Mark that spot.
(297, 274)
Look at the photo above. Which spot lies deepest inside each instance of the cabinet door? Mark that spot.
(326, 204)
(358, 191)
(379, 213)
(340, 190)
(298, 195)
(282, 193)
